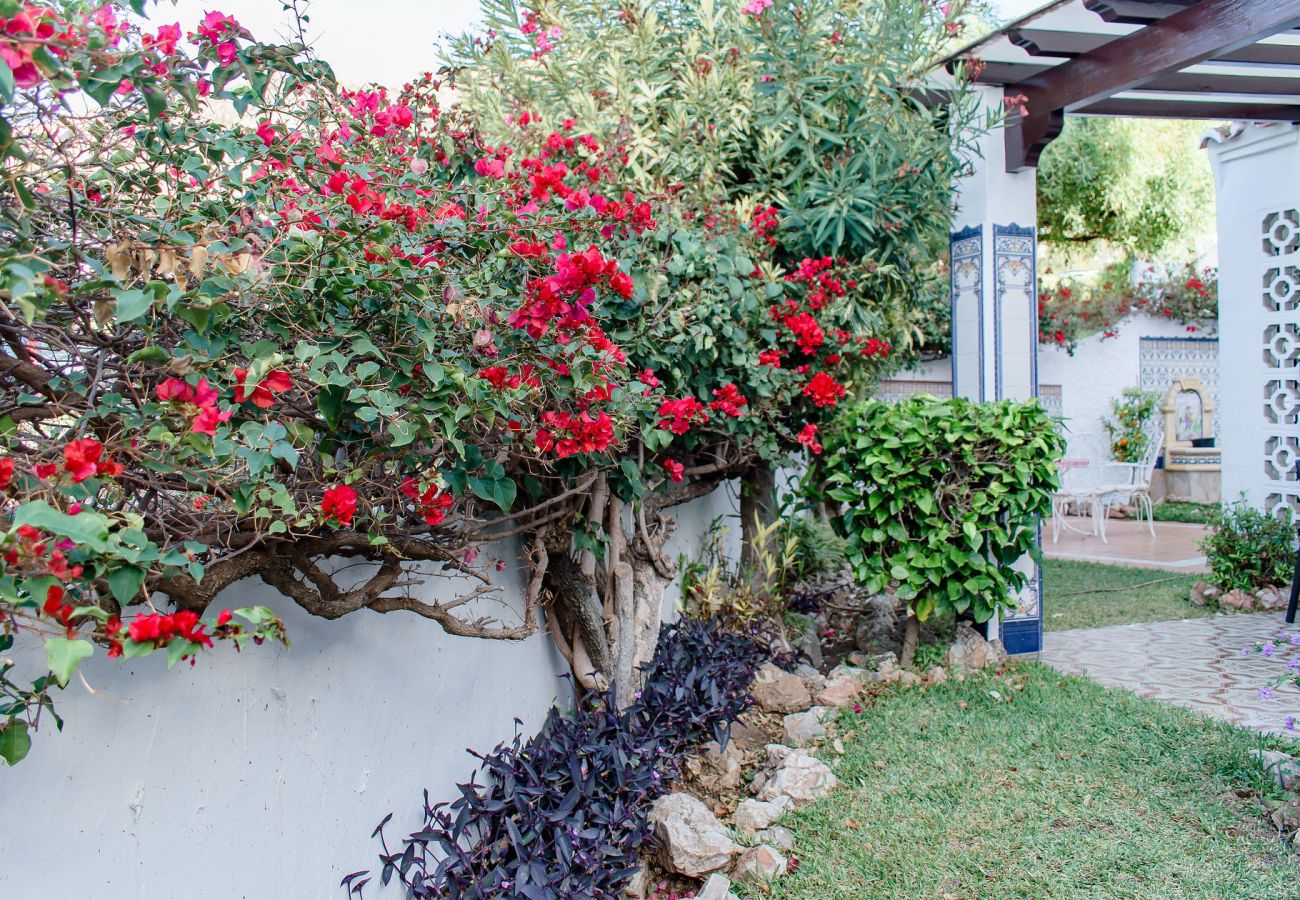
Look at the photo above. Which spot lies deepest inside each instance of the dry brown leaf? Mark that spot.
(119, 260)
(198, 259)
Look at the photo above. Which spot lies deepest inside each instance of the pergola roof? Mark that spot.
(1189, 59)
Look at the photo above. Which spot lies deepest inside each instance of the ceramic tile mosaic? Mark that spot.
(1196, 663)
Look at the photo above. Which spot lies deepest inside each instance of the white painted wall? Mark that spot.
(261, 775)
(1100, 369)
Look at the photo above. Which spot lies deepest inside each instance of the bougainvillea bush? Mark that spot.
(939, 499)
(258, 324)
(1070, 310)
(565, 813)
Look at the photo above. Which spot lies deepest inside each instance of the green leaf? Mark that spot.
(88, 528)
(132, 304)
(6, 82)
(64, 656)
(124, 583)
(15, 742)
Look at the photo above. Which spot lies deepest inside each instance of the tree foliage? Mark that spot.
(1140, 185)
(812, 107)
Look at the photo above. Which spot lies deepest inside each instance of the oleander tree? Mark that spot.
(256, 324)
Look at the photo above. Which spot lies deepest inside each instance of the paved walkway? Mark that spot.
(1129, 543)
(1196, 663)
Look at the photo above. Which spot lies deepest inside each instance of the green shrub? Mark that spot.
(1127, 427)
(941, 497)
(1248, 549)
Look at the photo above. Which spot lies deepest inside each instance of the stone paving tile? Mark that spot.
(1129, 543)
(1195, 663)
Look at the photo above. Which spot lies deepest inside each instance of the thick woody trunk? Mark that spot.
(757, 513)
(604, 615)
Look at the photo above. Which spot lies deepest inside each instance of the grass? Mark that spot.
(1066, 606)
(1054, 789)
(1183, 511)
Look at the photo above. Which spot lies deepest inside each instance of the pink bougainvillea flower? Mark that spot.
(266, 131)
(226, 52)
(277, 381)
(339, 503)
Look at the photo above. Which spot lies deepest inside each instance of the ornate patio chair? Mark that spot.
(1084, 474)
(1134, 484)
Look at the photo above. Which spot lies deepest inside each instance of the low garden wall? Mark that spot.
(263, 776)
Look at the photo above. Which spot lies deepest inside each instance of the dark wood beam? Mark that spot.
(1154, 108)
(1199, 32)
(1048, 44)
(1136, 12)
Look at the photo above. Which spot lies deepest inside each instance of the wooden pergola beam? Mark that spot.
(1199, 32)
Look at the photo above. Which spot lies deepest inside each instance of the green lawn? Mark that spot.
(1082, 595)
(1066, 791)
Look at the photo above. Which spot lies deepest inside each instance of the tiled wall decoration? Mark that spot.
(1164, 360)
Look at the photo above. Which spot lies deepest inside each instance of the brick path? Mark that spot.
(1196, 663)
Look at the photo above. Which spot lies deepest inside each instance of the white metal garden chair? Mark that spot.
(1133, 486)
(1083, 476)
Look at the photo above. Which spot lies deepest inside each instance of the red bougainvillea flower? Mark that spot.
(339, 503)
(277, 381)
(266, 131)
(6, 472)
(674, 469)
(568, 435)
(160, 628)
(678, 416)
(45, 470)
(55, 608)
(82, 460)
(770, 358)
(823, 390)
(808, 437)
(729, 401)
(432, 503)
(174, 390)
(80, 457)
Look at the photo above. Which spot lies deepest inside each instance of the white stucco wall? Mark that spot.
(260, 775)
(1100, 369)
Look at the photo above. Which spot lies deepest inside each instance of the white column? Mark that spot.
(1257, 199)
(994, 271)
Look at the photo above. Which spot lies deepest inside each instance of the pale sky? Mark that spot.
(384, 41)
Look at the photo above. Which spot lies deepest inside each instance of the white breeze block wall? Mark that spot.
(261, 775)
(1257, 196)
